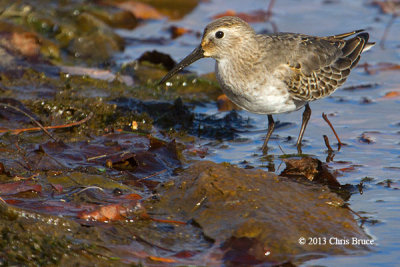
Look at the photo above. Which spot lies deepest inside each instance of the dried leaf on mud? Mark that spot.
(225, 104)
(18, 187)
(391, 95)
(383, 66)
(254, 16)
(140, 10)
(112, 212)
(388, 7)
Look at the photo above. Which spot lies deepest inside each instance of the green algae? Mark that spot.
(114, 17)
(32, 239)
(189, 87)
(71, 98)
(74, 179)
(76, 27)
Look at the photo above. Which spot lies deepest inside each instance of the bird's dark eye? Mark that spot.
(219, 34)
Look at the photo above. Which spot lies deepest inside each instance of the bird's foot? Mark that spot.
(299, 151)
(264, 149)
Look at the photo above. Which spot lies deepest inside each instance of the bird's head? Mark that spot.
(225, 36)
(221, 38)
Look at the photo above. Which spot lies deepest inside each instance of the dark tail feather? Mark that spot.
(354, 46)
(344, 35)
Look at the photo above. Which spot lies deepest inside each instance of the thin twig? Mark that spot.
(97, 157)
(41, 127)
(346, 206)
(279, 166)
(331, 154)
(327, 143)
(198, 204)
(274, 27)
(18, 131)
(386, 32)
(269, 9)
(152, 175)
(23, 155)
(281, 149)
(269, 15)
(333, 130)
(167, 221)
(90, 187)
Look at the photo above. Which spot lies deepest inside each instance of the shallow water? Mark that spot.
(353, 112)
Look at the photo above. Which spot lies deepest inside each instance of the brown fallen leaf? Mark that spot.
(197, 151)
(347, 169)
(12, 201)
(162, 259)
(19, 187)
(225, 104)
(140, 10)
(57, 187)
(178, 31)
(131, 196)
(3, 169)
(113, 212)
(382, 66)
(254, 16)
(388, 7)
(25, 43)
(392, 94)
(229, 12)
(184, 254)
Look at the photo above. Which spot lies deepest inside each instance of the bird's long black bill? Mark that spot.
(196, 54)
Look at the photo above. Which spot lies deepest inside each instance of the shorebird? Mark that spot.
(279, 72)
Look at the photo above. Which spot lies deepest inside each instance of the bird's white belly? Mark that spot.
(261, 94)
(261, 98)
(269, 101)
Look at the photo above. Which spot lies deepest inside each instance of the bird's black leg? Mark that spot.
(271, 126)
(306, 118)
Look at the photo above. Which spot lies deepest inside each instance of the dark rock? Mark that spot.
(262, 213)
(156, 57)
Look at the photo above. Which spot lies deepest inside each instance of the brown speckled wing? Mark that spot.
(325, 64)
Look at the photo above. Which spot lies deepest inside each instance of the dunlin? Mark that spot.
(276, 73)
